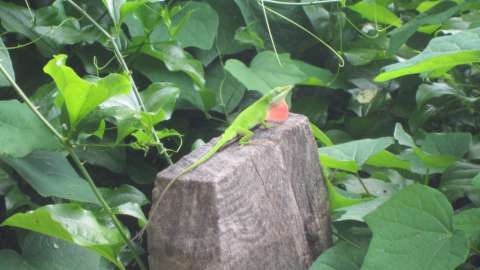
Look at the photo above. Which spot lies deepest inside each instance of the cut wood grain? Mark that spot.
(255, 207)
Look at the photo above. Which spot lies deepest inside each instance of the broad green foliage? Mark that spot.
(441, 53)
(71, 223)
(40, 169)
(81, 96)
(352, 155)
(21, 131)
(415, 230)
(266, 73)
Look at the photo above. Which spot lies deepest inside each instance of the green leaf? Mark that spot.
(451, 144)
(154, 70)
(133, 210)
(176, 59)
(6, 63)
(403, 137)
(230, 21)
(386, 159)
(160, 99)
(265, 73)
(113, 159)
(246, 35)
(358, 152)
(113, 7)
(48, 253)
(476, 181)
(21, 132)
(71, 223)
(342, 256)
(201, 28)
(426, 92)
(467, 221)
(362, 56)
(81, 96)
(441, 53)
(21, 20)
(414, 230)
(11, 260)
(320, 135)
(374, 12)
(337, 199)
(435, 15)
(357, 211)
(229, 92)
(456, 182)
(124, 194)
(51, 175)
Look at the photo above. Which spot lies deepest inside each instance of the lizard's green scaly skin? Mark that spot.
(249, 118)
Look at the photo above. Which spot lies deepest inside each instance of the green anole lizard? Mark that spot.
(270, 106)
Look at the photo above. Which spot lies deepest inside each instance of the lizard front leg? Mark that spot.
(246, 135)
(265, 124)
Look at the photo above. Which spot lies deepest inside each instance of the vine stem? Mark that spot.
(118, 54)
(78, 164)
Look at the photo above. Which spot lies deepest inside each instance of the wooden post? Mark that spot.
(255, 207)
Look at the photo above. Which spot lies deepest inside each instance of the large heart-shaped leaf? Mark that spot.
(414, 230)
(441, 53)
(51, 175)
(352, 155)
(266, 73)
(21, 132)
(73, 224)
(81, 96)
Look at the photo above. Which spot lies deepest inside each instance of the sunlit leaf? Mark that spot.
(440, 53)
(80, 95)
(374, 12)
(73, 224)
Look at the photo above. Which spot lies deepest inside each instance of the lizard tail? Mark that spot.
(221, 142)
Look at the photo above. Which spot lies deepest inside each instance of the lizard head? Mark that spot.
(278, 110)
(279, 93)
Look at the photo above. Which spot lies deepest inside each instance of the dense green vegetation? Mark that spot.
(110, 92)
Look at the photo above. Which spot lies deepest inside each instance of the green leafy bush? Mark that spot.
(97, 96)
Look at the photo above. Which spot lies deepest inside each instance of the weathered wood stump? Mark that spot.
(255, 207)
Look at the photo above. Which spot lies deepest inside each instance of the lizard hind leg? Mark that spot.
(246, 136)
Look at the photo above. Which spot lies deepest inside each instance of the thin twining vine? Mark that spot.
(79, 164)
(159, 145)
(269, 31)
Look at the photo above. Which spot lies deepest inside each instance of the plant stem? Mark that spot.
(78, 163)
(118, 54)
(363, 185)
(118, 225)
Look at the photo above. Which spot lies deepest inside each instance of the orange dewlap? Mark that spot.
(278, 112)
